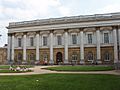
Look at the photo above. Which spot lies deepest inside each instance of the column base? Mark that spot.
(99, 61)
(82, 62)
(24, 62)
(37, 62)
(51, 62)
(11, 62)
(65, 61)
(116, 61)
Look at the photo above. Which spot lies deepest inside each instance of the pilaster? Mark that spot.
(81, 47)
(115, 45)
(37, 46)
(98, 45)
(24, 47)
(66, 46)
(12, 52)
(51, 47)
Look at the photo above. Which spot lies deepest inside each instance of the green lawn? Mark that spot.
(81, 68)
(60, 82)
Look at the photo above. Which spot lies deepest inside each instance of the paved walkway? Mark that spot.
(39, 70)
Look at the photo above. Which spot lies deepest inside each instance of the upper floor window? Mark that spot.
(19, 42)
(31, 41)
(74, 39)
(59, 40)
(44, 41)
(106, 38)
(90, 38)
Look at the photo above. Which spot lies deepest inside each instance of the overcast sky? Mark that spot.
(22, 10)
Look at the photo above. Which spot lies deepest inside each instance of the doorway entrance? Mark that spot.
(59, 58)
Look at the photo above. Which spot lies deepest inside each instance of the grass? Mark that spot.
(60, 82)
(10, 71)
(81, 68)
(7, 66)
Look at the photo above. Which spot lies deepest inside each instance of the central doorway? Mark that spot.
(59, 58)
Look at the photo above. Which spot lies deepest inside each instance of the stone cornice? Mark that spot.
(63, 20)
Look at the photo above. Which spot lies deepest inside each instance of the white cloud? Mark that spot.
(64, 11)
(110, 8)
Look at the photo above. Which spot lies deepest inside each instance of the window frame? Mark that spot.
(45, 39)
(74, 39)
(90, 38)
(31, 41)
(19, 42)
(59, 40)
(108, 58)
(88, 55)
(106, 38)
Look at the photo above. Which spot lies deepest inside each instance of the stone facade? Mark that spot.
(3, 55)
(89, 39)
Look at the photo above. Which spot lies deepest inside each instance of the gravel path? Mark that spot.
(39, 70)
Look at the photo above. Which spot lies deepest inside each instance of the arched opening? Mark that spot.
(59, 58)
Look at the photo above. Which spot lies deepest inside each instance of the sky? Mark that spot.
(25, 10)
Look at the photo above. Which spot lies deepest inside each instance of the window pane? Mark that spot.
(90, 56)
(74, 39)
(90, 38)
(59, 39)
(31, 41)
(44, 41)
(107, 56)
(106, 38)
(19, 42)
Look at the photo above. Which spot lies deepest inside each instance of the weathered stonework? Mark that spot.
(3, 56)
(111, 51)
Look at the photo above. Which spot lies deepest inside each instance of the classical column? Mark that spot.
(66, 46)
(51, 47)
(9, 48)
(98, 45)
(12, 52)
(115, 45)
(119, 40)
(24, 48)
(37, 46)
(81, 48)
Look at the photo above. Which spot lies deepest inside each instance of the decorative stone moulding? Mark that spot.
(106, 28)
(18, 34)
(31, 33)
(89, 29)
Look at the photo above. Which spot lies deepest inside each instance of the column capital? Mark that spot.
(13, 34)
(24, 33)
(9, 34)
(118, 26)
(81, 29)
(97, 28)
(37, 32)
(66, 30)
(114, 27)
(51, 31)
